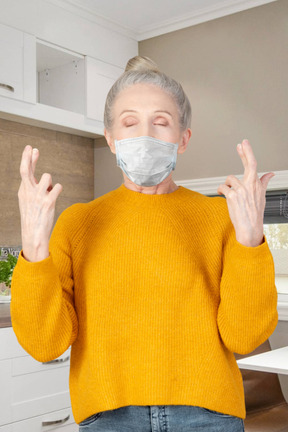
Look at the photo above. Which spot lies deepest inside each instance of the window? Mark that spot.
(276, 232)
(277, 235)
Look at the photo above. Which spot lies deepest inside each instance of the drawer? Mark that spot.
(10, 348)
(26, 365)
(32, 394)
(5, 398)
(57, 421)
(9, 345)
(39, 392)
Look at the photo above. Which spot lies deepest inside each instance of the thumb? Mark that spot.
(265, 179)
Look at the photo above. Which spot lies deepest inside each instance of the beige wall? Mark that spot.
(68, 158)
(107, 175)
(234, 70)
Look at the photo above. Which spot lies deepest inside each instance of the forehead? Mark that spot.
(144, 97)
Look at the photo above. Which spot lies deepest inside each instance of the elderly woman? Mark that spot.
(155, 286)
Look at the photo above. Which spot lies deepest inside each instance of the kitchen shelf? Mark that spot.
(50, 118)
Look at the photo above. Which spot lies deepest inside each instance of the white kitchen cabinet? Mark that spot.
(73, 82)
(100, 77)
(65, 97)
(33, 392)
(65, 90)
(17, 64)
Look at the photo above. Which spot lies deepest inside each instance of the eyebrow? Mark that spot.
(127, 111)
(158, 111)
(163, 111)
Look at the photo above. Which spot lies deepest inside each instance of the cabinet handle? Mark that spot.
(61, 360)
(7, 87)
(54, 422)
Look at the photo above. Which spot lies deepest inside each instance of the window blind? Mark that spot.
(276, 208)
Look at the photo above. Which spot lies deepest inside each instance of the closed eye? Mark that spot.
(161, 121)
(129, 121)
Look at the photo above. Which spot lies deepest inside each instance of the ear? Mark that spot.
(110, 141)
(185, 137)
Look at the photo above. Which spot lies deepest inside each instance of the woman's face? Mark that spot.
(146, 110)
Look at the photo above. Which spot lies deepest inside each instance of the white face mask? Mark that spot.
(145, 160)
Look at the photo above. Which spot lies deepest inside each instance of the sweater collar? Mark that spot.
(141, 198)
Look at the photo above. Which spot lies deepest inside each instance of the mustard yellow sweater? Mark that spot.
(154, 294)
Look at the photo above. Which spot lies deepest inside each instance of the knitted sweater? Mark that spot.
(154, 293)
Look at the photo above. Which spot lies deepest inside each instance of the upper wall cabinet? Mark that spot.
(17, 64)
(66, 90)
(73, 82)
(99, 79)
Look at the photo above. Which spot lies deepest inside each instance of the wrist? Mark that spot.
(34, 253)
(250, 242)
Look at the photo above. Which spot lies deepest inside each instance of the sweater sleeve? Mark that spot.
(247, 314)
(42, 303)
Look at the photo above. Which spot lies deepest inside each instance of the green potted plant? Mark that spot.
(6, 270)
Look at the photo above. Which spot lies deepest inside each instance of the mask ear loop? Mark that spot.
(117, 152)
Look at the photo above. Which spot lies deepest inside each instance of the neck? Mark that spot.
(166, 186)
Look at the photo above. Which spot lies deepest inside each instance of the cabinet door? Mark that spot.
(100, 77)
(29, 388)
(17, 64)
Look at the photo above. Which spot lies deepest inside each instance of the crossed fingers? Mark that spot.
(246, 198)
(27, 170)
(250, 178)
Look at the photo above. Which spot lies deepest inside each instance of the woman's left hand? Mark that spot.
(246, 198)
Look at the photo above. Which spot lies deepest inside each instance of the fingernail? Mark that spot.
(239, 146)
(245, 140)
(35, 150)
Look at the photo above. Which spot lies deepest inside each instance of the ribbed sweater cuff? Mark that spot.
(248, 255)
(35, 270)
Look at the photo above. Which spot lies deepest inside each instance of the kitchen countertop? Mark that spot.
(5, 317)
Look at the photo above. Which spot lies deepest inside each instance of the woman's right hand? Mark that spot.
(37, 207)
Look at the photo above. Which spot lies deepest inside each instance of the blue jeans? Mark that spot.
(161, 418)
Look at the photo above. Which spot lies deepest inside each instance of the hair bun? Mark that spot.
(141, 63)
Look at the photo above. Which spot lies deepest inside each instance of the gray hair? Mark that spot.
(153, 77)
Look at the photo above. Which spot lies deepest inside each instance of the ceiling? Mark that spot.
(142, 19)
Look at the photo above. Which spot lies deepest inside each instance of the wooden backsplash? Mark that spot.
(68, 158)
